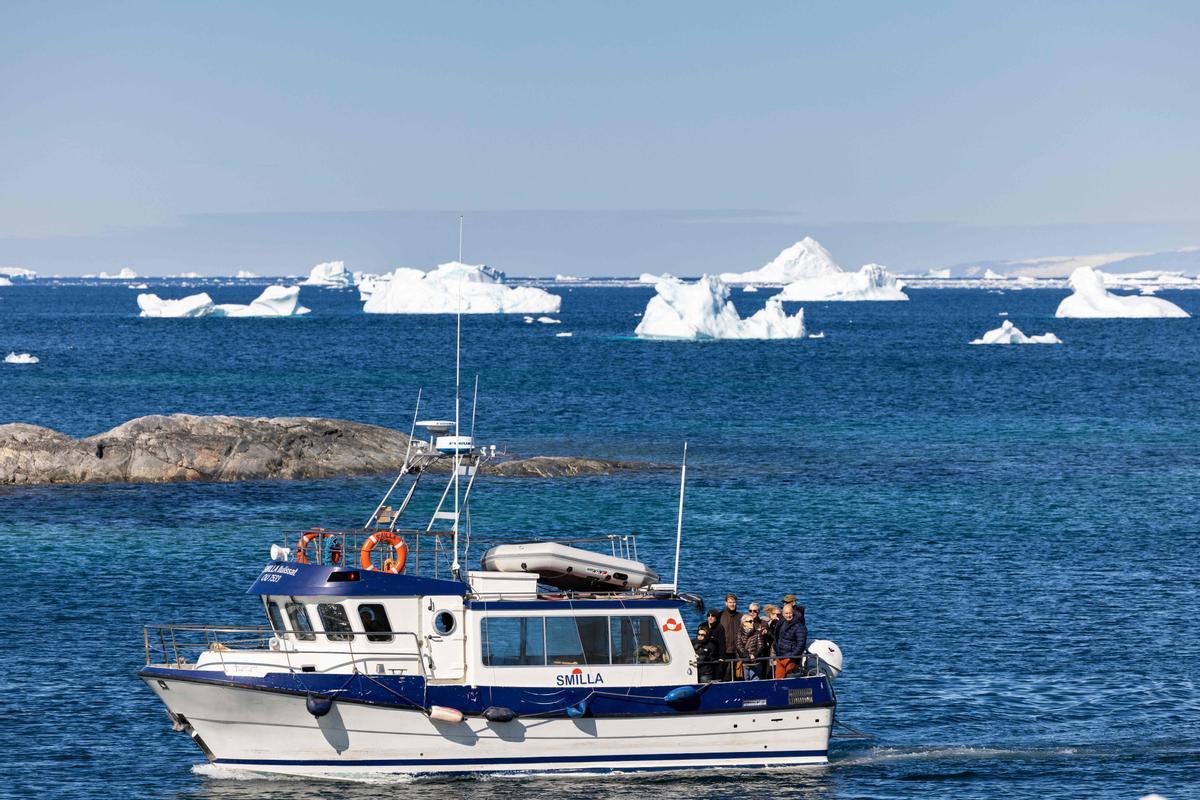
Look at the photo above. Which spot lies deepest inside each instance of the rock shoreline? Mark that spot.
(187, 447)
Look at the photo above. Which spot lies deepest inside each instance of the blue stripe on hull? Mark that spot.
(765, 758)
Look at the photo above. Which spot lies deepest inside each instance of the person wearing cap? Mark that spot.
(706, 655)
(789, 600)
(716, 634)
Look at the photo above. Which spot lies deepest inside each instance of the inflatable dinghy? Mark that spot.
(570, 568)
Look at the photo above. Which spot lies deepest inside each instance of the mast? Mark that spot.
(679, 521)
(455, 567)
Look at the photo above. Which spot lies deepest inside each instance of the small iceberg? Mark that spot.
(475, 288)
(275, 301)
(750, 287)
(5, 281)
(872, 282)
(703, 310)
(1011, 334)
(245, 275)
(549, 321)
(189, 275)
(125, 274)
(652, 279)
(18, 272)
(568, 279)
(563, 335)
(1091, 300)
(20, 358)
(331, 275)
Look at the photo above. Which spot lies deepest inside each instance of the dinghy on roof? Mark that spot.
(570, 568)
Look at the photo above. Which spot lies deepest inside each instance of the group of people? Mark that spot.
(732, 645)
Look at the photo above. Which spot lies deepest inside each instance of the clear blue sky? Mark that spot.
(140, 114)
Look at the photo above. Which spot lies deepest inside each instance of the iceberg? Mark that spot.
(126, 274)
(275, 301)
(872, 282)
(475, 288)
(192, 275)
(549, 321)
(331, 274)
(805, 259)
(568, 279)
(368, 283)
(563, 335)
(1011, 334)
(21, 358)
(5, 281)
(749, 287)
(1091, 300)
(18, 272)
(991, 275)
(194, 305)
(651, 278)
(138, 286)
(703, 310)
(245, 275)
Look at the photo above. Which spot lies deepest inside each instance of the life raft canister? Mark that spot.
(394, 564)
(335, 553)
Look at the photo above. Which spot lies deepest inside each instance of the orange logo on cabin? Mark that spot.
(672, 625)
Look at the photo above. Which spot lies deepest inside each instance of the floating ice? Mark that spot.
(331, 274)
(529, 320)
(750, 287)
(703, 310)
(478, 289)
(138, 286)
(275, 301)
(549, 321)
(369, 283)
(126, 274)
(1011, 334)
(805, 259)
(20, 358)
(18, 272)
(191, 275)
(563, 335)
(5, 281)
(872, 282)
(567, 278)
(938, 273)
(649, 277)
(991, 275)
(245, 275)
(1090, 300)
(194, 305)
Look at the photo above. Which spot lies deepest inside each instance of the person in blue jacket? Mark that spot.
(791, 641)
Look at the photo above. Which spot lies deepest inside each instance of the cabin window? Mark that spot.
(300, 623)
(335, 622)
(276, 620)
(637, 640)
(444, 623)
(375, 622)
(513, 641)
(593, 635)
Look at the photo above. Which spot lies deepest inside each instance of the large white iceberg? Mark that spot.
(5, 281)
(453, 287)
(805, 259)
(872, 282)
(18, 272)
(275, 301)
(1091, 300)
(20, 358)
(1011, 334)
(703, 310)
(331, 274)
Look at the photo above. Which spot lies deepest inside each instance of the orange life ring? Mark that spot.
(335, 556)
(395, 564)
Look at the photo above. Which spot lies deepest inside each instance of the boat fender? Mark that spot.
(578, 710)
(318, 705)
(444, 714)
(681, 693)
(496, 714)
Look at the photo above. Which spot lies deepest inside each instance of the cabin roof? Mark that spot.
(293, 578)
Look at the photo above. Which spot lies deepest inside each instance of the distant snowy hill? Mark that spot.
(1185, 260)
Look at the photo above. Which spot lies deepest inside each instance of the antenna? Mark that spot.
(455, 567)
(679, 523)
(474, 402)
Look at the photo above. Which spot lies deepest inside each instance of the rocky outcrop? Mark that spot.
(185, 447)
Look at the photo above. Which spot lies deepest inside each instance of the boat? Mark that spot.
(380, 653)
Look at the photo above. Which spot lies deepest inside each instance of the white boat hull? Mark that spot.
(265, 731)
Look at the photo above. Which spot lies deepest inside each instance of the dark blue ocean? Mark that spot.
(1005, 541)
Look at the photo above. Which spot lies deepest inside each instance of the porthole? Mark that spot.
(444, 623)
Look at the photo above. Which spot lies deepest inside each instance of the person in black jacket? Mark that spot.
(791, 640)
(706, 655)
(716, 633)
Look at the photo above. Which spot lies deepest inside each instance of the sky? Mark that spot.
(124, 126)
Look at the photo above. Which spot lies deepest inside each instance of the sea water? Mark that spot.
(1003, 540)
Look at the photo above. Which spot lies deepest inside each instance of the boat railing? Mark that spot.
(763, 668)
(182, 645)
(429, 553)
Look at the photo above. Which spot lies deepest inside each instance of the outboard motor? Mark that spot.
(829, 657)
